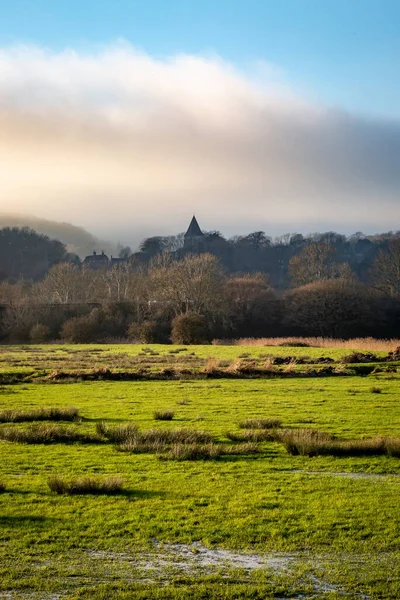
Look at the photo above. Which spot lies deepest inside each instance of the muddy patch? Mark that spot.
(376, 476)
(195, 557)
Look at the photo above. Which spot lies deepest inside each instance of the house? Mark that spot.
(96, 261)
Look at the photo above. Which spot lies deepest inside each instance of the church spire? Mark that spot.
(194, 229)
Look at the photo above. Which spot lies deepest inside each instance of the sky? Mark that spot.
(128, 116)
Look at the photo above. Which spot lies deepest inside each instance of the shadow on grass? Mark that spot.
(142, 494)
(240, 457)
(24, 520)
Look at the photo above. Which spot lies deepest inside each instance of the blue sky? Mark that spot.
(343, 53)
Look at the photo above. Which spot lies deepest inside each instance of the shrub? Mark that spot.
(260, 423)
(163, 415)
(149, 332)
(337, 307)
(86, 485)
(359, 357)
(39, 333)
(79, 330)
(190, 328)
(45, 434)
(39, 414)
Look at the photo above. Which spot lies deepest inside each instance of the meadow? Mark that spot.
(248, 520)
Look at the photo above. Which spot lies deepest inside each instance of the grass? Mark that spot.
(55, 363)
(260, 423)
(254, 435)
(40, 414)
(163, 415)
(368, 343)
(332, 518)
(117, 433)
(193, 452)
(208, 451)
(2, 487)
(45, 434)
(309, 442)
(85, 485)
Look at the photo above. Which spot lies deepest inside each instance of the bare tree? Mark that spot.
(191, 284)
(62, 285)
(385, 272)
(316, 262)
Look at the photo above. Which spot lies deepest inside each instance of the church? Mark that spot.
(194, 239)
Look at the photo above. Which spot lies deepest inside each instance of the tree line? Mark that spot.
(197, 296)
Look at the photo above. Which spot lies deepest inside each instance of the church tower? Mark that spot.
(194, 238)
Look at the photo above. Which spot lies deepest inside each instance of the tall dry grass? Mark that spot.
(46, 433)
(308, 442)
(86, 485)
(40, 414)
(368, 343)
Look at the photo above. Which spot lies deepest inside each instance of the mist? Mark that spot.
(129, 146)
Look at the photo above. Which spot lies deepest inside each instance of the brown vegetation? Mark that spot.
(40, 414)
(45, 434)
(86, 485)
(367, 343)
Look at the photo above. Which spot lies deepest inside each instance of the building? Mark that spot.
(96, 261)
(194, 238)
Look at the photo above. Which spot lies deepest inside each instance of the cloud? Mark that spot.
(122, 142)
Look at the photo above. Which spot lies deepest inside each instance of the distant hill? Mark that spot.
(77, 239)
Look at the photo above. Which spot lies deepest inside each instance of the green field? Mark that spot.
(268, 525)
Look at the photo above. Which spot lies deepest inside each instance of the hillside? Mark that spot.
(77, 239)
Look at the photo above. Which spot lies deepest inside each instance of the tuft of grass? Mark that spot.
(119, 433)
(40, 414)
(2, 487)
(85, 485)
(376, 390)
(316, 443)
(393, 447)
(47, 433)
(183, 401)
(130, 439)
(254, 435)
(259, 423)
(242, 449)
(137, 446)
(209, 451)
(193, 452)
(305, 441)
(163, 415)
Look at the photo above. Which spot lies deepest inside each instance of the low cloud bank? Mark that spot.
(122, 142)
